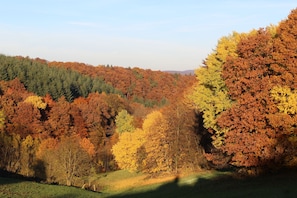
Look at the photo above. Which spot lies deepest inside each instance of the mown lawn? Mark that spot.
(122, 184)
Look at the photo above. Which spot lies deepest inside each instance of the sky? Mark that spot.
(149, 34)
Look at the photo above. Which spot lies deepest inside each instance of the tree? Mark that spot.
(184, 141)
(26, 120)
(28, 149)
(10, 152)
(158, 156)
(87, 145)
(2, 119)
(124, 122)
(48, 167)
(66, 159)
(59, 119)
(73, 160)
(210, 93)
(127, 150)
(36, 101)
(284, 54)
(250, 140)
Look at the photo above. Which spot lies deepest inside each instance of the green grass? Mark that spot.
(14, 188)
(206, 185)
(220, 185)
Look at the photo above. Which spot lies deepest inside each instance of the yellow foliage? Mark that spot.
(28, 150)
(127, 150)
(286, 98)
(154, 122)
(210, 94)
(124, 122)
(157, 147)
(36, 101)
(2, 119)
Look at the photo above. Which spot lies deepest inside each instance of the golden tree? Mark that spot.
(127, 150)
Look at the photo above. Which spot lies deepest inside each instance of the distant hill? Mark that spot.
(139, 85)
(186, 72)
(73, 80)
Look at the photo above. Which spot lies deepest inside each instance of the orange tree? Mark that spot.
(258, 127)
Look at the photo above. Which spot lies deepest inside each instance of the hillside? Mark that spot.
(41, 79)
(139, 85)
(48, 108)
(207, 184)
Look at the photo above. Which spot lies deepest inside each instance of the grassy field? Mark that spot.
(15, 188)
(123, 184)
(217, 184)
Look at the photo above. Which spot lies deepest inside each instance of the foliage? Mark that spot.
(41, 79)
(158, 159)
(65, 159)
(286, 99)
(124, 122)
(246, 93)
(10, 151)
(247, 78)
(28, 149)
(72, 159)
(36, 101)
(2, 119)
(150, 88)
(210, 94)
(127, 150)
(183, 138)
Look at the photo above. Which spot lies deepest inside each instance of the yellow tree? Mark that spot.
(28, 152)
(124, 122)
(284, 121)
(127, 150)
(2, 119)
(210, 94)
(36, 101)
(158, 159)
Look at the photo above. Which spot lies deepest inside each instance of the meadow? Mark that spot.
(121, 184)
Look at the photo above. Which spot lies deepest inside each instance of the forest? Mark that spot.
(64, 121)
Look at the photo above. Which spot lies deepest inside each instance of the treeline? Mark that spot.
(246, 91)
(41, 79)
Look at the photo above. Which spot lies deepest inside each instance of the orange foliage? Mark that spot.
(136, 82)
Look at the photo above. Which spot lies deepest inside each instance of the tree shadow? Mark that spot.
(282, 184)
(7, 177)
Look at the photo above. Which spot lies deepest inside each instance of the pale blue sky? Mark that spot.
(150, 34)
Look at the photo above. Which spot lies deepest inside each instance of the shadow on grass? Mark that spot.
(278, 185)
(9, 178)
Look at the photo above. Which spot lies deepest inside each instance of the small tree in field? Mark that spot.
(73, 159)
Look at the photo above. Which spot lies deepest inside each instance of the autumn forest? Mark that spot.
(64, 121)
